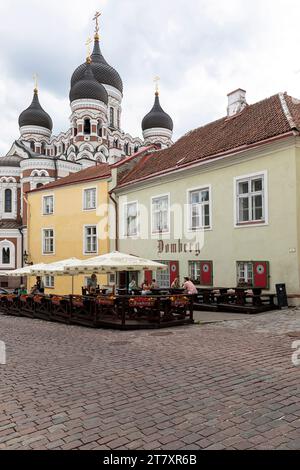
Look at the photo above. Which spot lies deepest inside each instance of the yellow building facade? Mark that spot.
(68, 218)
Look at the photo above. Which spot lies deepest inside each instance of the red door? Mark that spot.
(206, 273)
(261, 274)
(174, 271)
(148, 277)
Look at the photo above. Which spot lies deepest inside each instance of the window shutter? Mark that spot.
(148, 277)
(206, 273)
(261, 274)
(174, 271)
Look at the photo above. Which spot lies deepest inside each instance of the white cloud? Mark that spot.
(202, 49)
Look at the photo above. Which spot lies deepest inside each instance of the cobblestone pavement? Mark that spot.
(228, 385)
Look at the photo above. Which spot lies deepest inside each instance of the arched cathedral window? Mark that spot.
(8, 201)
(126, 148)
(43, 148)
(87, 127)
(5, 255)
(112, 117)
(100, 134)
(32, 145)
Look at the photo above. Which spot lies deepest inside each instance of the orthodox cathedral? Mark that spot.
(95, 135)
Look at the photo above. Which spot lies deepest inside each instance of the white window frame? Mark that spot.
(92, 188)
(11, 246)
(125, 225)
(43, 239)
(246, 269)
(189, 218)
(85, 252)
(198, 268)
(163, 232)
(44, 213)
(51, 284)
(255, 223)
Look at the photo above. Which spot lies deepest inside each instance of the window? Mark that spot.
(5, 256)
(245, 273)
(90, 239)
(250, 199)
(87, 127)
(89, 199)
(163, 278)
(99, 127)
(131, 219)
(48, 241)
(49, 282)
(160, 214)
(111, 117)
(199, 209)
(48, 205)
(194, 271)
(43, 148)
(8, 201)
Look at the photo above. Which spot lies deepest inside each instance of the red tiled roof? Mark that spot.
(102, 170)
(272, 117)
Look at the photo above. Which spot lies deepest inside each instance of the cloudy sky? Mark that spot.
(201, 49)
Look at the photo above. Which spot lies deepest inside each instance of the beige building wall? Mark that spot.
(276, 242)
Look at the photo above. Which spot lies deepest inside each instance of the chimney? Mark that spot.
(236, 102)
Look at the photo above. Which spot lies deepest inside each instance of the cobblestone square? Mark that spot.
(226, 385)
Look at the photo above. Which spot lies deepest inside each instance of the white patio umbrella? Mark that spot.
(114, 262)
(23, 272)
(58, 268)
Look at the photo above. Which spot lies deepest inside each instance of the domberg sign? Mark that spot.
(178, 247)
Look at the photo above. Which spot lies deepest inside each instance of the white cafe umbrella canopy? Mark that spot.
(114, 262)
(22, 272)
(59, 268)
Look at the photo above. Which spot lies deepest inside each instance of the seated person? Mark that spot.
(154, 284)
(146, 289)
(132, 285)
(189, 286)
(176, 284)
(34, 290)
(92, 284)
(22, 290)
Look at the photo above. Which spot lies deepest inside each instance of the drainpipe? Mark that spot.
(56, 170)
(22, 244)
(22, 248)
(116, 220)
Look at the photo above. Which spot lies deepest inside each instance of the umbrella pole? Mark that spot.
(72, 284)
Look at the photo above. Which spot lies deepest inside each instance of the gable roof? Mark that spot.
(99, 171)
(273, 117)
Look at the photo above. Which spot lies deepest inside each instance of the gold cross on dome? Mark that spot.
(96, 18)
(157, 81)
(88, 46)
(35, 78)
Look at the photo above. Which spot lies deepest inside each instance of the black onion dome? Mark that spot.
(88, 87)
(35, 115)
(103, 72)
(157, 117)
